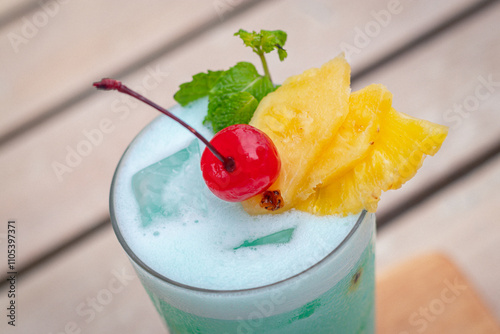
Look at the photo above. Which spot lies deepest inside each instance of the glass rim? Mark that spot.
(131, 254)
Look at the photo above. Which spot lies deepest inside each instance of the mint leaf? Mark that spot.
(199, 87)
(237, 78)
(261, 87)
(271, 40)
(265, 41)
(251, 39)
(282, 53)
(228, 109)
(243, 77)
(235, 96)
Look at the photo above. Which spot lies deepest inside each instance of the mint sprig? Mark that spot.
(234, 94)
(264, 42)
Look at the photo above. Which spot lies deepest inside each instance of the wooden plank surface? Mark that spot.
(56, 51)
(463, 222)
(430, 294)
(59, 208)
(146, 25)
(80, 42)
(8, 8)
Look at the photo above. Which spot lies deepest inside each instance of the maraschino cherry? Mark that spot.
(256, 163)
(245, 163)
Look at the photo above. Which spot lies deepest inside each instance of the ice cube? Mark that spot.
(280, 237)
(170, 186)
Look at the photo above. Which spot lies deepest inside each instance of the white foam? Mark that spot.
(199, 249)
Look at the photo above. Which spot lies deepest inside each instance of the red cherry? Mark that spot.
(239, 162)
(256, 163)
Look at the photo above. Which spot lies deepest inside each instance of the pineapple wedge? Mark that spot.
(400, 150)
(339, 151)
(353, 141)
(300, 117)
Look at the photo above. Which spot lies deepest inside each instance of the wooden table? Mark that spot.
(439, 58)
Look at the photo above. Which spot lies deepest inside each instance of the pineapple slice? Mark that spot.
(339, 152)
(300, 117)
(396, 156)
(353, 141)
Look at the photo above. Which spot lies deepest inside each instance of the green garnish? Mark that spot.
(234, 94)
(264, 42)
(197, 88)
(235, 108)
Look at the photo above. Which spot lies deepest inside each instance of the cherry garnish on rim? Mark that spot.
(245, 164)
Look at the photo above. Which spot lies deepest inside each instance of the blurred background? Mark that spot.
(60, 139)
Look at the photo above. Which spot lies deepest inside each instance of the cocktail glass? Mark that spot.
(335, 294)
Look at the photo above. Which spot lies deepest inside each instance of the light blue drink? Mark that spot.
(211, 268)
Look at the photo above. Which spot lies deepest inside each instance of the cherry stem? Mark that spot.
(112, 84)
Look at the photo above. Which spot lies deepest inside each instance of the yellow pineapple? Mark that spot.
(300, 117)
(354, 139)
(339, 151)
(396, 156)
